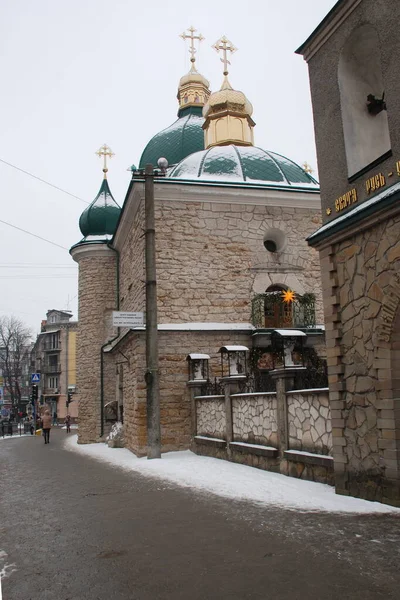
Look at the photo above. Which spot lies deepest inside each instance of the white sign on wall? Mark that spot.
(127, 319)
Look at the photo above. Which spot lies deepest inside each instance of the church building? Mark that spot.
(231, 222)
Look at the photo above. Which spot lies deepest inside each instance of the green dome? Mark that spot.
(177, 141)
(101, 216)
(243, 164)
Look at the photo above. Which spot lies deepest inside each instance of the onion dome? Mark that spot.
(100, 218)
(185, 135)
(228, 99)
(243, 164)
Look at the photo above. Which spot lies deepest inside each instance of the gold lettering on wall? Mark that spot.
(344, 201)
(374, 183)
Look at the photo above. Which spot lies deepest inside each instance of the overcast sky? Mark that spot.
(77, 74)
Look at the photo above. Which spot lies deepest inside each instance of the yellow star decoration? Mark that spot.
(328, 211)
(288, 296)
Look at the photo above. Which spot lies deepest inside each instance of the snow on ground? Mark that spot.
(231, 480)
(15, 436)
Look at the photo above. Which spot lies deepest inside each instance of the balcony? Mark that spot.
(51, 391)
(271, 311)
(52, 346)
(48, 369)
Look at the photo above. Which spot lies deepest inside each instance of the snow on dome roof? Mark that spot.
(242, 164)
(177, 141)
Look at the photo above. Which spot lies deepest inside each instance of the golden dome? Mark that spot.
(193, 77)
(228, 119)
(228, 99)
(193, 90)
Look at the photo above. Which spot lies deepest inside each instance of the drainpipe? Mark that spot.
(102, 350)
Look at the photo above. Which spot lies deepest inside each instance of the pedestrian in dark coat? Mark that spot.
(46, 426)
(68, 423)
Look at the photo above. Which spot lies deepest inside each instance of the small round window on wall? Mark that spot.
(275, 240)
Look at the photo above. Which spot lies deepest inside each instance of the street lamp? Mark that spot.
(152, 372)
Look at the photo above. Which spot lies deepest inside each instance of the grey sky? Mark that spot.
(80, 73)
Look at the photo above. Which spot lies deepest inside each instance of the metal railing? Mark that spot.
(52, 368)
(270, 311)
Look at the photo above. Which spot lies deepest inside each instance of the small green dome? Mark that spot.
(239, 164)
(177, 141)
(101, 216)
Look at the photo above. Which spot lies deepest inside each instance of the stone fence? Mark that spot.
(284, 431)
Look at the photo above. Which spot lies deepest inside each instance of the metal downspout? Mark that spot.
(102, 351)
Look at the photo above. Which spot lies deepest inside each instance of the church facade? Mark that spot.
(231, 224)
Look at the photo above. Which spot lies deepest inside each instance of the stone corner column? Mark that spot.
(97, 290)
(195, 390)
(230, 387)
(284, 378)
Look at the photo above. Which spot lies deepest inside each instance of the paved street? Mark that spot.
(78, 529)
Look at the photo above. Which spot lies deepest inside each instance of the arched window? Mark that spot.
(277, 313)
(364, 117)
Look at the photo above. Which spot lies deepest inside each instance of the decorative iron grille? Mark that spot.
(270, 311)
(315, 375)
(259, 381)
(213, 388)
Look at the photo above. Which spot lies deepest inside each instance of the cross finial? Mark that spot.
(226, 46)
(307, 168)
(190, 36)
(105, 151)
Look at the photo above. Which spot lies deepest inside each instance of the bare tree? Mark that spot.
(14, 350)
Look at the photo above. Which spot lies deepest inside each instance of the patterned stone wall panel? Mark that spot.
(210, 414)
(309, 422)
(254, 419)
(367, 267)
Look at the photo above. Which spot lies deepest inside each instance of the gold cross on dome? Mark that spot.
(105, 151)
(226, 46)
(307, 168)
(185, 36)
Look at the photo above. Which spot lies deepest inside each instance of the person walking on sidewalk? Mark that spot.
(46, 426)
(68, 423)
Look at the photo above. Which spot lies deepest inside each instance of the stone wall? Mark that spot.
(254, 418)
(309, 421)
(211, 259)
(174, 346)
(362, 289)
(97, 299)
(210, 416)
(132, 266)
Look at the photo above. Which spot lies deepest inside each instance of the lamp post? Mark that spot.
(152, 372)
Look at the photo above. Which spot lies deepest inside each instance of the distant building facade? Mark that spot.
(54, 358)
(353, 58)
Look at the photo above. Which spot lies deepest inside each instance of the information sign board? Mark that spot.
(127, 319)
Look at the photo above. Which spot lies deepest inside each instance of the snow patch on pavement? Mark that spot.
(16, 436)
(5, 568)
(231, 480)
